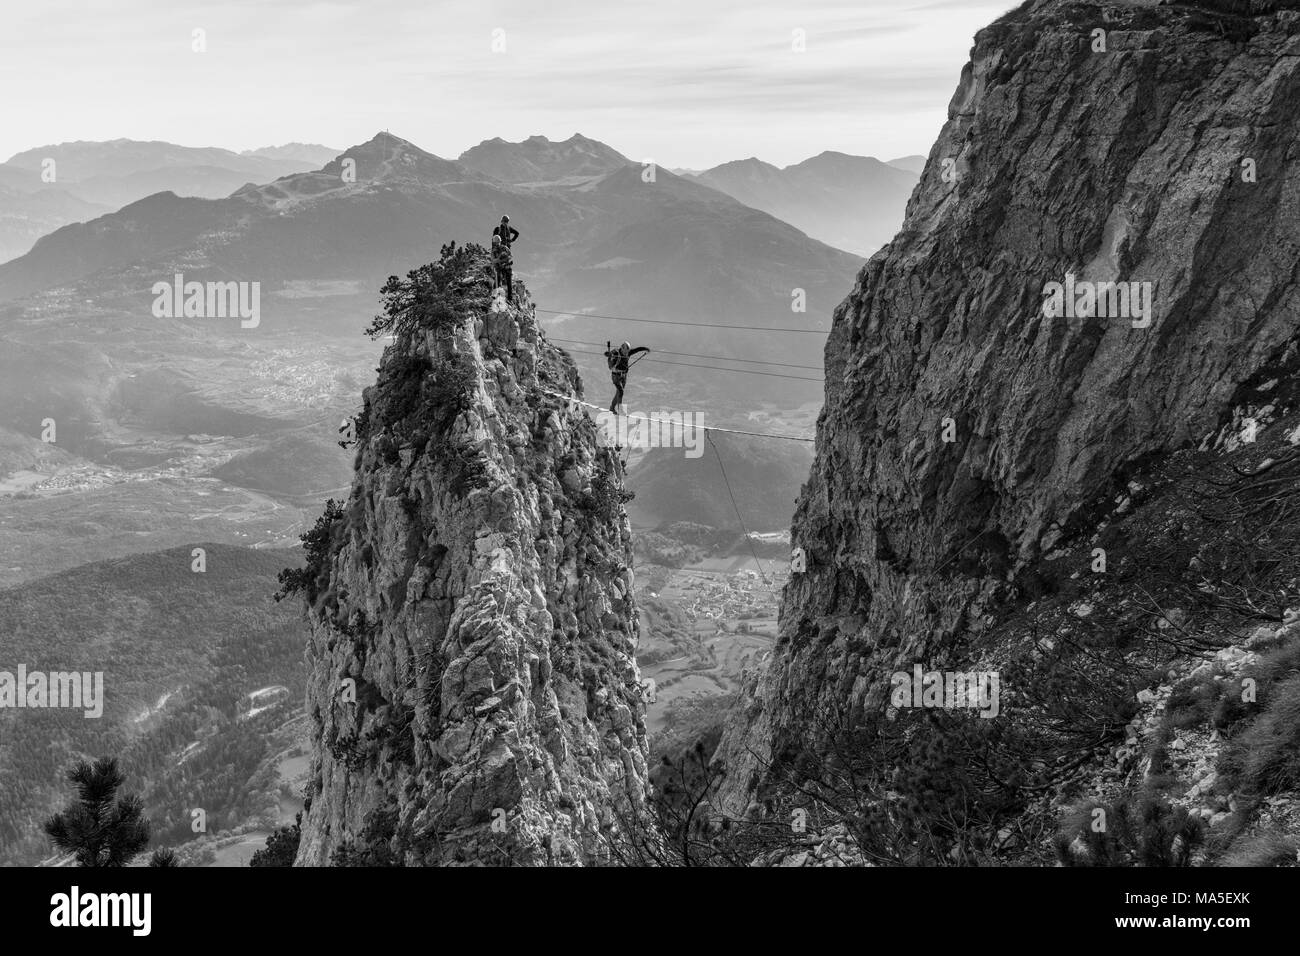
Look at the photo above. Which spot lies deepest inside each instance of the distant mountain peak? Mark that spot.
(852, 202)
(303, 152)
(752, 163)
(538, 138)
(115, 173)
(539, 159)
(831, 157)
(912, 164)
(292, 145)
(387, 140)
(386, 156)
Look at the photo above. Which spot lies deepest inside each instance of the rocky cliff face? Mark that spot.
(966, 435)
(473, 682)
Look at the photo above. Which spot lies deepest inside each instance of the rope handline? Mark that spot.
(745, 531)
(715, 368)
(697, 325)
(720, 358)
(722, 467)
(682, 425)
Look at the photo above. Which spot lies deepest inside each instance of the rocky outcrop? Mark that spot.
(965, 432)
(473, 685)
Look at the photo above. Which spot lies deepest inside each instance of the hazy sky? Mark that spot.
(682, 82)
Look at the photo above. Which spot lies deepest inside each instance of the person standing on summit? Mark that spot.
(507, 232)
(502, 267)
(502, 260)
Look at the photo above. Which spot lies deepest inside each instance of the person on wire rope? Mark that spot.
(619, 361)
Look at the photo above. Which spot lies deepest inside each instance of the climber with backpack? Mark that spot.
(506, 232)
(502, 267)
(619, 362)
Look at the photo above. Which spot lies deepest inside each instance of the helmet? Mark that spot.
(505, 218)
(625, 347)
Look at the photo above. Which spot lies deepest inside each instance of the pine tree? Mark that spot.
(99, 828)
(281, 846)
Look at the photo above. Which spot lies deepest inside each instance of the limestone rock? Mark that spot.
(961, 424)
(478, 600)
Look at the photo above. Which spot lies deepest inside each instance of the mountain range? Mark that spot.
(912, 164)
(321, 245)
(50, 186)
(850, 202)
(25, 215)
(539, 160)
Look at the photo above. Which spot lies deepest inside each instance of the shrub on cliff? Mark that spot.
(924, 788)
(606, 499)
(373, 846)
(1265, 757)
(316, 543)
(1269, 848)
(1136, 829)
(281, 846)
(680, 823)
(436, 296)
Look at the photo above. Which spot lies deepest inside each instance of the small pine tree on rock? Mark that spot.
(99, 828)
(281, 846)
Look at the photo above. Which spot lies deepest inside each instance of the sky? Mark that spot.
(683, 83)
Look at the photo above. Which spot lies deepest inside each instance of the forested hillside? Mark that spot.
(180, 651)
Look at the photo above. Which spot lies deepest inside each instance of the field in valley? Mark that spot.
(702, 626)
